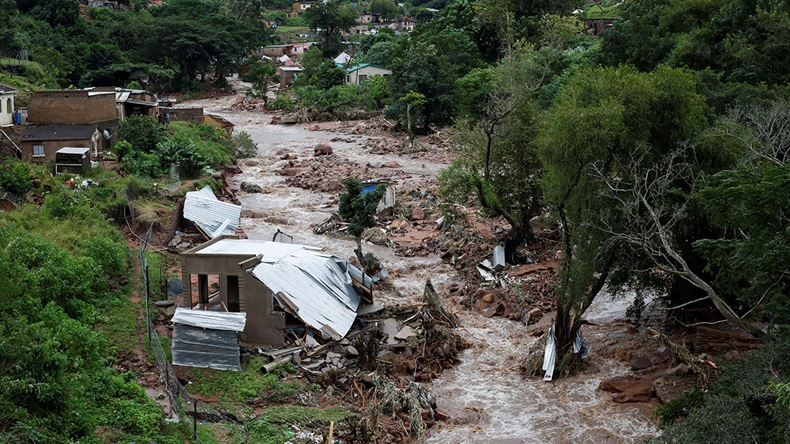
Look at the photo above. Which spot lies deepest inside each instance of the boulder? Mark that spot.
(322, 149)
(640, 363)
(417, 214)
(534, 315)
(251, 188)
(628, 388)
(392, 164)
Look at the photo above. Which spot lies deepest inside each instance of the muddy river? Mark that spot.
(486, 398)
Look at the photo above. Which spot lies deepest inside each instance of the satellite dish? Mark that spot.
(106, 134)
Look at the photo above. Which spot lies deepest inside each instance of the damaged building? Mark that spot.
(284, 289)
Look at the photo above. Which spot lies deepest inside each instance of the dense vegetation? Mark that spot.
(659, 147)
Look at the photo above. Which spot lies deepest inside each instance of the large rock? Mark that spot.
(640, 363)
(251, 188)
(417, 214)
(322, 149)
(628, 388)
(534, 315)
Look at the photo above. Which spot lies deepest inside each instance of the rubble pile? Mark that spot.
(380, 364)
(246, 103)
(326, 173)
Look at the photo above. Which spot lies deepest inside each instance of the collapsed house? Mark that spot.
(284, 289)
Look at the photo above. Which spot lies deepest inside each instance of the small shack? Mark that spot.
(219, 122)
(75, 160)
(288, 74)
(207, 339)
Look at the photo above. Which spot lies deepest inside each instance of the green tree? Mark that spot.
(142, 132)
(430, 65)
(384, 8)
(749, 202)
(331, 19)
(359, 210)
(603, 118)
(327, 75)
(498, 160)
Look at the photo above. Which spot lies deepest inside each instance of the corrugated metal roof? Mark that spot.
(238, 247)
(214, 320)
(197, 347)
(72, 150)
(310, 285)
(207, 212)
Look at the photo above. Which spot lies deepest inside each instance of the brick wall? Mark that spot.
(70, 107)
(184, 114)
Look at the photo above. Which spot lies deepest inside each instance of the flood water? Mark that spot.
(487, 399)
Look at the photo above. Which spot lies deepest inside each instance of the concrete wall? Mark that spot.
(6, 109)
(70, 107)
(263, 326)
(360, 75)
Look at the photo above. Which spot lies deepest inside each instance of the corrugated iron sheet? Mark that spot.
(214, 320)
(198, 347)
(207, 212)
(311, 285)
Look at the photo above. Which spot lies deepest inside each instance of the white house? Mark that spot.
(359, 73)
(7, 95)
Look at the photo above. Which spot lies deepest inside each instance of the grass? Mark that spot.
(10, 61)
(236, 390)
(118, 322)
(608, 10)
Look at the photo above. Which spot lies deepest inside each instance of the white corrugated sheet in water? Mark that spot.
(310, 285)
(210, 214)
(214, 320)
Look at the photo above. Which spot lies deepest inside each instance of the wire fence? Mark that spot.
(182, 403)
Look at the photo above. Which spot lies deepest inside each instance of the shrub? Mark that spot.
(143, 164)
(15, 176)
(282, 103)
(243, 146)
(183, 154)
(142, 132)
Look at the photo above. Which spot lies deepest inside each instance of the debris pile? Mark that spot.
(326, 173)
(381, 362)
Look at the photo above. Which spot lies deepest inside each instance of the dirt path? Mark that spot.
(487, 399)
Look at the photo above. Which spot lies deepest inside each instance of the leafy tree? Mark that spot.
(430, 62)
(749, 202)
(384, 8)
(736, 38)
(243, 145)
(331, 18)
(379, 54)
(359, 210)
(603, 118)
(498, 160)
(327, 75)
(182, 154)
(261, 73)
(199, 35)
(412, 101)
(142, 132)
